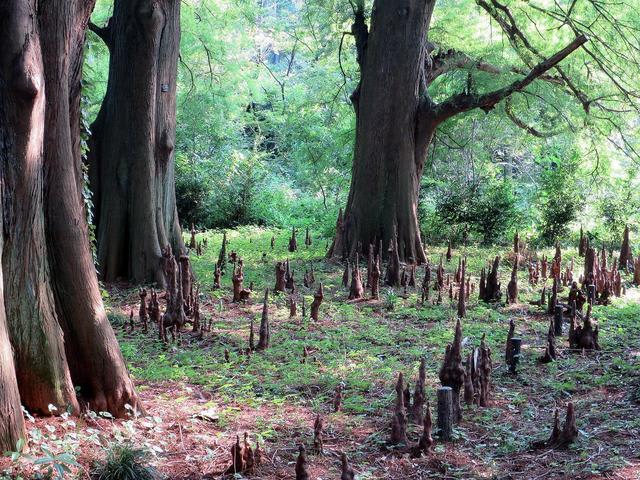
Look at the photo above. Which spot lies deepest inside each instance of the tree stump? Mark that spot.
(445, 412)
(550, 350)
(426, 281)
(293, 244)
(484, 369)
(557, 320)
(356, 291)
(561, 438)
(416, 414)
(345, 275)
(318, 426)
(469, 391)
(142, 311)
(426, 440)
(280, 277)
(317, 301)
(192, 242)
(452, 371)
(392, 277)
(265, 330)
(399, 419)
(509, 348)
(516, 346)
(216, 277)
(584, 336)
(301, 464)
(490, 285)
(337, 397)
(236, 279)
(512, 286)
(222, 255)
(347, 471)
(462, 296)
(292, 307)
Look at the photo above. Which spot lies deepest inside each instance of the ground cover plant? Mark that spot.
(205, 388)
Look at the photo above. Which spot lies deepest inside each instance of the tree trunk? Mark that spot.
(53, 309)
(389, 156)
(40, 362)
(132, 143)
(396, 120)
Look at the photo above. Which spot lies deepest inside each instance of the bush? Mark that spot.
(559, 198)
(124, 462)
(486, 210)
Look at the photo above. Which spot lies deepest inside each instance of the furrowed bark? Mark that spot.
(38, 349)
(93, 354)
(396, 120)
(132, 144)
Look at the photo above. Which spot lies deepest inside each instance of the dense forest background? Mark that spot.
(265, 130)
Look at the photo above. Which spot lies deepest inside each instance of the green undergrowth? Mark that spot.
(365, 345)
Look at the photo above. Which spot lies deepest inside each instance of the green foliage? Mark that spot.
(125, 462)
(486, 209)
(49, 465)
(560, 198)
(265, 126)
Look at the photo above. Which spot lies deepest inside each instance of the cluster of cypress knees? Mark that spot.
(471, 378)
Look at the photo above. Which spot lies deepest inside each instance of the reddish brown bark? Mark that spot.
(356, 291)
(399, 418)
(281, 271)
(452, 372)
(462, 295)
(626, 257)
(318, 444)
(133, 139)
(347, 472)
(265, 329)
(512, 287)
(48, 272)
(317, 301)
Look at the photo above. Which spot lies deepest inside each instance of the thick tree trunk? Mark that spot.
(396, 120)
(132, 146)
(11, 421)
(93, 354)
(40, 361)
(390, 150)
(52, 306)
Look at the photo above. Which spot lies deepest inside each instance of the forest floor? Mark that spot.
(196, 402)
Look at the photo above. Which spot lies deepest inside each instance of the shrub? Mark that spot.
(559, 198)
(125, 462)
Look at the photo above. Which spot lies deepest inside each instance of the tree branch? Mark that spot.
(445, 61)
(527, 128)
(469, 100)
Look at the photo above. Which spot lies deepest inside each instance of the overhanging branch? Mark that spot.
(468, 100)
(521, 124)
(445, 61)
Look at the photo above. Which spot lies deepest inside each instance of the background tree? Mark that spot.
(49, 282)
(133, 141)
(396, 117)
(236, 58)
